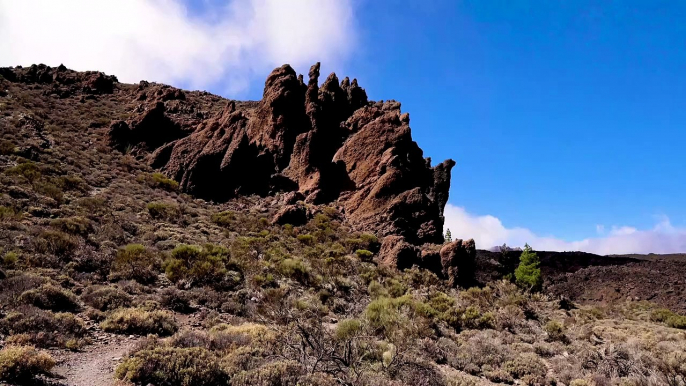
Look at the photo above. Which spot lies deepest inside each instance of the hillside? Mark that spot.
(151, 235)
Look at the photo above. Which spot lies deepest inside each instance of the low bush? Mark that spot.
(9, 214)
(140, 322)
(22, 363)
(56, 242)
(670, 318)
(50, 297)
(10, 259)
(42, 328)
(206, 265)
(73, 225)
(173, 366)
(224, 219)
(527, 366)
(555, 331)
(106, 298)
(306, 239)
(159, 181)
(163, 211)
(28, 170)
(286, 373)
(7, 147)
(176, 300)
(364, 254)
(296, 269)
(135, 262)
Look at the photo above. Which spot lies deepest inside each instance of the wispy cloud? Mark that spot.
(160, 40)
(489, 231)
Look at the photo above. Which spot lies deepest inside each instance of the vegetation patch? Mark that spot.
(139, 321)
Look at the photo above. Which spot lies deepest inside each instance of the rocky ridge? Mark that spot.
(327, 142)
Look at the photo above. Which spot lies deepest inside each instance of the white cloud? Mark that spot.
(159, 40)
(488, 231)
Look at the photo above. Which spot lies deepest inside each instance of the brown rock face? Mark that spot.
(458, 259)
(327, 142)
(397, 253)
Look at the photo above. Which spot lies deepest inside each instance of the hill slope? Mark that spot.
(279, 278)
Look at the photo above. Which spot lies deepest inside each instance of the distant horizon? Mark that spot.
(564, 118)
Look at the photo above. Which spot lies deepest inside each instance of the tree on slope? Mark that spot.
(528, 273)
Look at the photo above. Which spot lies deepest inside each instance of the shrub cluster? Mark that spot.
(139, 321)
(206, 265)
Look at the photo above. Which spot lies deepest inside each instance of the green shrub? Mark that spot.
(139, 321)
(159, 181)
(677, 321)
(283, 373)
(49, 189)
(50, 297)
(137, 263)
(163, 211)
(74, 225)
(42, 328)
(661, 315)
(364, 254)
(106, 298)
(306, 239)
(173, 366)
(56, 242)
(7, 147)
(528, 273)
(296, 269)
(208, 264)
(29, 170)
(527, 365)
(555, 331)
(22, 363)
(9, 214)
(224, 219)
(74, 183)
(10, 259)
(347, 329)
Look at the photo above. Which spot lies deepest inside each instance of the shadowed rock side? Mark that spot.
(327, 142)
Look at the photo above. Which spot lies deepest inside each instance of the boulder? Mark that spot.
(458, 259)
(295, 214)
(397, 253)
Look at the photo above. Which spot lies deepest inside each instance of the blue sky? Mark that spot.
(566, 118)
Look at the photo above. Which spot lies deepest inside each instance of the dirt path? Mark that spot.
(95, 366)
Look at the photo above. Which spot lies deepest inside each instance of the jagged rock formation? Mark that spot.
(327, 142)
(458, 259)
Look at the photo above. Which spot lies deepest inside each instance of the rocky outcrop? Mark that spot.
(294, 214)
(327, 142)
(64, 82)
(458, 259)
(397, 253)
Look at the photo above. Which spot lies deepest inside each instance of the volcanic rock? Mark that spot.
(328, 142)
(295, 214)
(458, 259)
(397, 253)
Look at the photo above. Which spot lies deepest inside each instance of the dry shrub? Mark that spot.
(135, 262)
(282, 373)
(105, 298)
(21, 363)
(42, 328)
(50, 297)
(73, 225)
(139, 321)
(173, 366)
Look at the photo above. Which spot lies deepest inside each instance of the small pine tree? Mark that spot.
(528, 273)
(448, 236)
